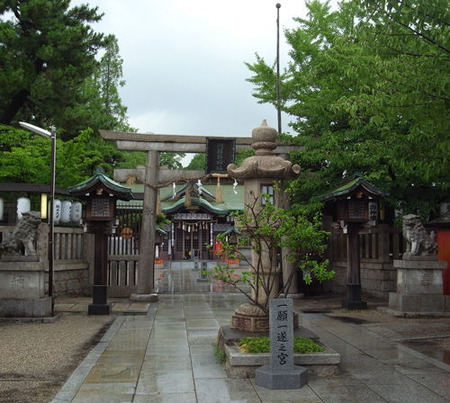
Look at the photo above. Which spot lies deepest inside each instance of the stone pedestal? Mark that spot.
(419, 287)
(22, 288)
(250, 318)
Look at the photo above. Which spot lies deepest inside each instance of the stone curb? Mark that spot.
(70, 388)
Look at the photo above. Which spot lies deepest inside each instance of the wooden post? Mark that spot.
(100, 304)
(353, 300)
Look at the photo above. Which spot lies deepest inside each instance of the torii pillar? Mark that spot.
(146, 277)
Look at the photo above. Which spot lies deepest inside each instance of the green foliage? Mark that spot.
(50, 74)
(172, 160)
(368, 89)
(221, 356)
(47, 52)
(256, 345)
(101, 106)
(26, 157)
(242, 155)
(269, 229)
(198, 162)
(162, 219)
(132, 159)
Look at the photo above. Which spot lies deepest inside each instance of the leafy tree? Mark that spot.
(368, 88)
(133, 159)
(103, 108)
(267, 229)
(26, 157)
(198, 162)
(47, 52)
(172, 160)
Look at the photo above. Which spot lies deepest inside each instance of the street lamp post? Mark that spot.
(51, 244)
(278, 5)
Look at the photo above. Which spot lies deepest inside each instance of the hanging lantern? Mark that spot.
(77, 210)
(66, 211)
(44, 206)
(57, 211)
(23, 206)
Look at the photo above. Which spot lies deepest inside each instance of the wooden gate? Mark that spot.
(123, 251)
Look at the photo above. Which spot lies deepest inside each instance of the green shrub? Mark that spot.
(255, 345)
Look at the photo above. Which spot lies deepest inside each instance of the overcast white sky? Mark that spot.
(184, 61)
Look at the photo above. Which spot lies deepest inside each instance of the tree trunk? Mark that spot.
(14, 106)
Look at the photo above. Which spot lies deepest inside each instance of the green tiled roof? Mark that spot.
(232, 201)
(350, 187)
(121, 192)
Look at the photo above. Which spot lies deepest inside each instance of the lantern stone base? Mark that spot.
(22, 288)
(250, 318)
(419, 289)
(248, 323)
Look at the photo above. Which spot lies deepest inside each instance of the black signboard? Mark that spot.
(219, 153)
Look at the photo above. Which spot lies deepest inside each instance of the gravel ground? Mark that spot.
(37, 358)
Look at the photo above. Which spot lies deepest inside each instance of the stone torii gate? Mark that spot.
(153, 144)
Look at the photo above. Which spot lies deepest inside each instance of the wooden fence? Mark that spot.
(122, 269)
(378, 244)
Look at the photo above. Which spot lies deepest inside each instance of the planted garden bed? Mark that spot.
(243, 365)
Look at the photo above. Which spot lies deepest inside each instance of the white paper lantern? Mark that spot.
(77, 210)
(56, 211)
(66, 211)
(23, 206)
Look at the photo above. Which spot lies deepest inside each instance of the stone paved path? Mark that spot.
(168, 355)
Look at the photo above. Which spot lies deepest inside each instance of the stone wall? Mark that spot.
(377, 279)
(71, 279)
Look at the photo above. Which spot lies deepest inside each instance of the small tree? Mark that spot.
(269, 229)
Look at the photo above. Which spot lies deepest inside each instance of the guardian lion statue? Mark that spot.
(418, 241)
(22, 240)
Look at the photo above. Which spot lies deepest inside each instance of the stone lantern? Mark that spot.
(260, 173)
(355, 205)
(100, 194)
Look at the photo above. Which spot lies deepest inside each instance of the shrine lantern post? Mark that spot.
(100, 194)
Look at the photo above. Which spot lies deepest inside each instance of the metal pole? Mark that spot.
(278, 69)
(51, 237)
(51, 244)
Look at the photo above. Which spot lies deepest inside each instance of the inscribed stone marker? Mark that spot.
(281, 373)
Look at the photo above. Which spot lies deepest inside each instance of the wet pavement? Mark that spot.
(166, 353)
